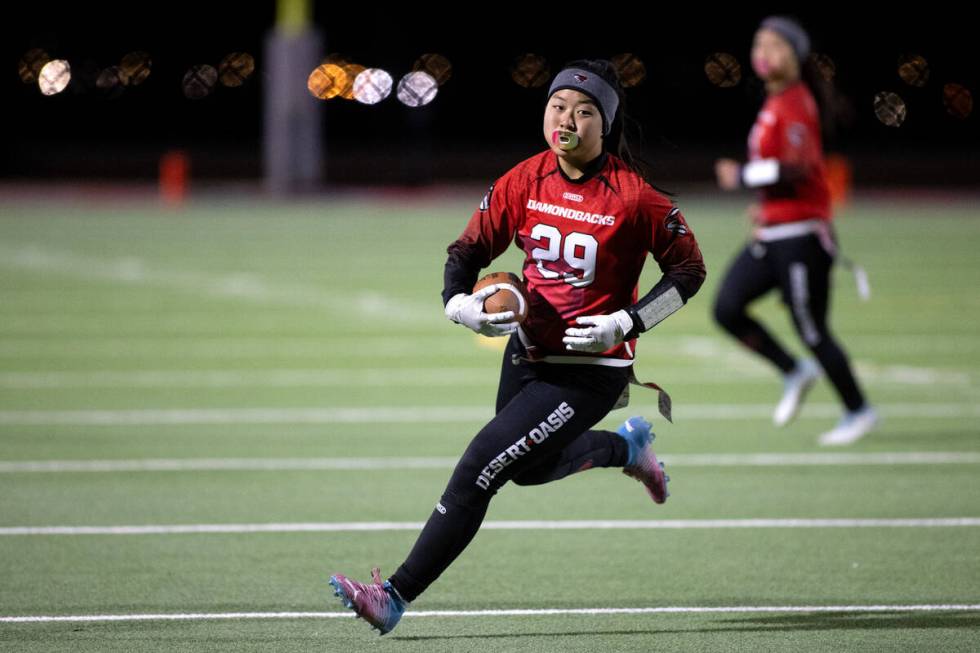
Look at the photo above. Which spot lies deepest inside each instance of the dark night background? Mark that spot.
(481, 120)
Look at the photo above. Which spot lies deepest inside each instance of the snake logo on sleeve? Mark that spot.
(485, 204)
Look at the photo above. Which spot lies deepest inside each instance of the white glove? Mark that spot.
(605, 332)
(468, 311)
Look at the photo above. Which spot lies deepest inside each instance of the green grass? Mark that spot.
(336, 306)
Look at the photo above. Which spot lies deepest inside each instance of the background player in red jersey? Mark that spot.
(793, 246)
(586, 220)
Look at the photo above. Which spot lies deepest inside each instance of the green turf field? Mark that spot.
(284, 371)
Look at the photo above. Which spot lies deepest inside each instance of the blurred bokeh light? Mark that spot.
(723, 69)
(54, 77)
(108, 79)
(235, 69)
(134, 68)
(199, 81)
(530, 71)
(351, 70)
(326, 81)
(372, 86)
(958, 100)
(914, 70)
(436, 65)
(632, 71)
(890, 109)
(417, 89)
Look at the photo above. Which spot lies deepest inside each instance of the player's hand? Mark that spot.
(728, 172)
(601, 332)
(468, 311)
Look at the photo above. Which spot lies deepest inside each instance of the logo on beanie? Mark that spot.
(580, 78)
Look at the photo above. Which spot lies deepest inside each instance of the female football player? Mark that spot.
(586, 220)
(793, 245)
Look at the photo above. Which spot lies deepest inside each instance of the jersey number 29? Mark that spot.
(577, 249)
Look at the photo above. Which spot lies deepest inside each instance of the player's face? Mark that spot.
(773, 57)
(569, 117)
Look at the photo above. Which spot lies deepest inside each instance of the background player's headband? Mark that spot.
(790, 30)
(592, 85)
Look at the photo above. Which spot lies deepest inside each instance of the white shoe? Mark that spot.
(795, 386)
(853, 426)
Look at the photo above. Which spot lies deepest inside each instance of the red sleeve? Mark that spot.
(796, 136)
(673, 244)
(492, 226)
(490, 230)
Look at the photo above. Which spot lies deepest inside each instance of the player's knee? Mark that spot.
(823, 344)
(813, 340)
(472, 484)
(465, 498)
(813, 332)
(727, 312)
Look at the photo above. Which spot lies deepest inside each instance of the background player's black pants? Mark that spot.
(800, 268)
(516, 445)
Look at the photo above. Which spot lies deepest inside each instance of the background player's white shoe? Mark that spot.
(853, 426)
(795, 386)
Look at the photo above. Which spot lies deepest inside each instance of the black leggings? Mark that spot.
(539, 434)
(800, 268)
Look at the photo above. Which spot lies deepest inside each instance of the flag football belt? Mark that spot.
(820, 228)
(791, 230)
(532, 354)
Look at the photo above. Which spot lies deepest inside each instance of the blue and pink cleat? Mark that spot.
(643, 464)
(377, 603)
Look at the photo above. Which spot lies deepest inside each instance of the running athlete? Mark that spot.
(793, 245)
(586, 220)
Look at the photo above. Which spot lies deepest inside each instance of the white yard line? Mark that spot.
(447, 462)
(226, 464)
(182, 347)
(545, 612)
(283, 378)
(246, 286)
(831, 459)
(432, 414)
(330, 377)
(409, 376)
(366, 415)
(351, 527)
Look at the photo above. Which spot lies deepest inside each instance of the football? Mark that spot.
(512, 297)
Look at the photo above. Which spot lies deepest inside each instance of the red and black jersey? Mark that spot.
(788, 129)
(585, 243)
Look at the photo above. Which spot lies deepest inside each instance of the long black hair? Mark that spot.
(622, 126)
(835, 109)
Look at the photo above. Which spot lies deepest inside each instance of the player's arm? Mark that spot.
(490, 230)
(465, 261)
(769, 172)
(786, 167)
(488, 233)
(677, 252)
